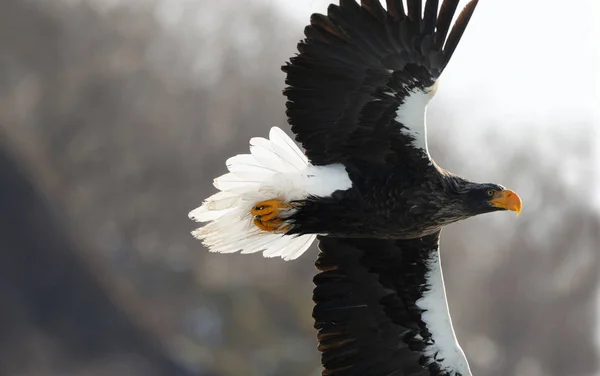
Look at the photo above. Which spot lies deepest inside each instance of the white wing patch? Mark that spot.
(437, 318)
(275, 169)
(412, 114)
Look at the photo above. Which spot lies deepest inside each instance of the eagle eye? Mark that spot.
(490, 192)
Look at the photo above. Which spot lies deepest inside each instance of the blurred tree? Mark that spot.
(56, 315)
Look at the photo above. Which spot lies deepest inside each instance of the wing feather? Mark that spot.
(368, 312)
(357, 68)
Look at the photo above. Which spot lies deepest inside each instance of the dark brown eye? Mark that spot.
(490, 192)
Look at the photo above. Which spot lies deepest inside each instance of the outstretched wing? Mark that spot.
(364, 75)
(381, 309)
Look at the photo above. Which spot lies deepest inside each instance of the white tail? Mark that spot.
(275, 169)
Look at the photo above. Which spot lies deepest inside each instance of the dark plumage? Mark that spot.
(357, 95)
(337, 102)
(351, 101)
(388, 204)
(365, 308)
(356, 68)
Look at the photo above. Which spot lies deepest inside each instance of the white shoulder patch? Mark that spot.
(412, 114)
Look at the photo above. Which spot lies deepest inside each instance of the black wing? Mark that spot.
(349, 88)
(367, 313)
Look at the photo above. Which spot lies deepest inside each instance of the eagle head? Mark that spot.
(467, 199)
(489, 197)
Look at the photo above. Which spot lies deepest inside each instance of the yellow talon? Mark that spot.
(260, 225)
(266, 212)
(268, 217)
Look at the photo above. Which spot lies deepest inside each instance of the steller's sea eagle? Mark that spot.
(366, 186)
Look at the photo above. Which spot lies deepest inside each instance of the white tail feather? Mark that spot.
(275, 169)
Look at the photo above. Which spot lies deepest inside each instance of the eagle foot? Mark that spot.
(266, 215)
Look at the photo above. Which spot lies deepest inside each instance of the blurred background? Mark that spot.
(116, 115)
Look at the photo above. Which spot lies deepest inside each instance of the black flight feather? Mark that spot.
(354, 70)
(415, 9)
(458, 29)
(430, 17)
(375, 8)
(396, 9)
(377, 329)
(444, 20)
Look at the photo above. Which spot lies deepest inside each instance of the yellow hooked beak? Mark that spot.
(507, 200)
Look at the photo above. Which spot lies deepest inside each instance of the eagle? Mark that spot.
(365, 186)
